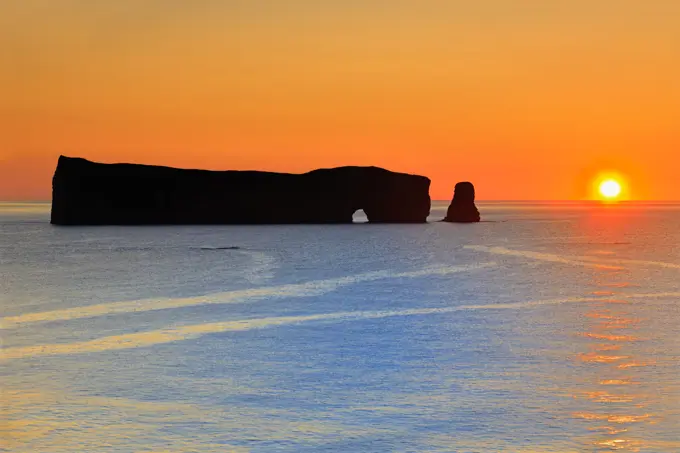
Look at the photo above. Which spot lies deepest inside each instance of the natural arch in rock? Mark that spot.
(89, 193)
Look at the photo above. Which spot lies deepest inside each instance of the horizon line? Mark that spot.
(481, 200)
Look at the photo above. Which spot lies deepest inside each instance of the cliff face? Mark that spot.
(462, 208)
(89, 193)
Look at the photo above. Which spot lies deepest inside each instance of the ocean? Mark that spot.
(553, 327)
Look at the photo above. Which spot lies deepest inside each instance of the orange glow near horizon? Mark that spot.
(528, 100)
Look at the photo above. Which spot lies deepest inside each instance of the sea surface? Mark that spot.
(553, 327)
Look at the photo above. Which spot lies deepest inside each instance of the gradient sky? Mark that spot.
(529, 99)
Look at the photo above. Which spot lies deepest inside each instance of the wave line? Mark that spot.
(311, 288)
(540, 256)
(170, 335)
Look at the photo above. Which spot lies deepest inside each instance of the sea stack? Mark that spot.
(462, 208)
(90, 193)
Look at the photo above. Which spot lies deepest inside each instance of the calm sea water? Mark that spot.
(555, 328)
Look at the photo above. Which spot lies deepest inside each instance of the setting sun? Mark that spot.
(610, 189)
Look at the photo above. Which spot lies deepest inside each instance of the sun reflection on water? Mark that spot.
(626, 381)
(610, 337)
(612, 395)
(606, 347)
(624, 366)
(592, 357)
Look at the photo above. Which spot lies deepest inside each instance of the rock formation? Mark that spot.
(462, 208)
(89, 193)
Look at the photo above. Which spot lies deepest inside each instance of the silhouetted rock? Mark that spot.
(462, 208)
(89, 193)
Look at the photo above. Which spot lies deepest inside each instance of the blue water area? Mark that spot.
(553, 327)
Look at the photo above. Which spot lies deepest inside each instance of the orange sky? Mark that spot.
(528, 99)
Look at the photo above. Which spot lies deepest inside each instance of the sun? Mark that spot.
(610, 189)
(610, 186)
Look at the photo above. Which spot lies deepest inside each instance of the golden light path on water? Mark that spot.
(614, 389)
